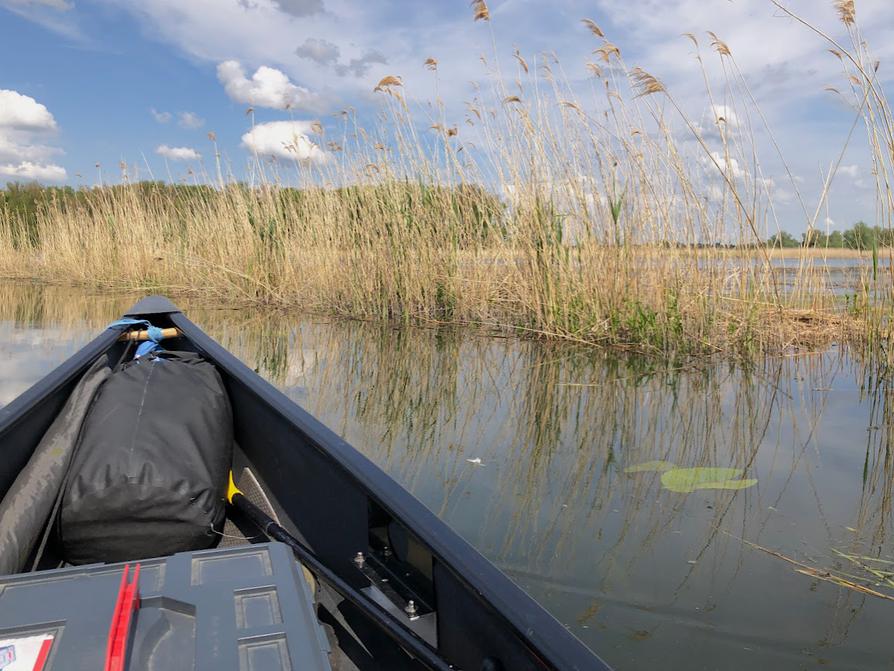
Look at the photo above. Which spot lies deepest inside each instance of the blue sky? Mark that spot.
(145, 81)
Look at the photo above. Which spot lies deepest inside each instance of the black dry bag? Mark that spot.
(149, 475)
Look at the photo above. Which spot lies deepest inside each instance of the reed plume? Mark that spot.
(480, 10)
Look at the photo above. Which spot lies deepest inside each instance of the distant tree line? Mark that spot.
(861, 236)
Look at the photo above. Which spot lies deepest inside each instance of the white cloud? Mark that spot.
(284, 139)
(62, 5)
(780, 59)
(268, 87)
(190, 120)
(178, 153)
(716, 192)
(184, 119)
(253, 33)
(726, 115)
(22, 121)
(783, 196)
(778, 194)
(23, 112)
(54, 15)
(318, 50)
(360, 66)
(34, 171)
(160, 117)
(852, 171)
(729, 165)
(300, 7)
(21, 146)
(324, 52)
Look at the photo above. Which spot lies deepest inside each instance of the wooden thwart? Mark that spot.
(144, 335)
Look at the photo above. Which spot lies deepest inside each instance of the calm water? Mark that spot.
(650, 578)
(838, 276)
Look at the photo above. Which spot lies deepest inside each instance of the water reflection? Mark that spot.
(648, 577)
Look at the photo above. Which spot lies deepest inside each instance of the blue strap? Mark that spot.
(123, 324)
(154, 333)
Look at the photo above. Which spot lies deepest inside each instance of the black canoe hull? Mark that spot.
(336, 499)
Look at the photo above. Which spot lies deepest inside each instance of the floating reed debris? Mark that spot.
(853, 583)
(870, 565)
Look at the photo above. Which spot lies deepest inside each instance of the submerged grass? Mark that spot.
(591, 218)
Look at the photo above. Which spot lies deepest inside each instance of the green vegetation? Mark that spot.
(861, 237)
(783, 240)
(688, 480)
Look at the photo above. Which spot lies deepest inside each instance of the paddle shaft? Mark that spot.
(144, 334)
(407, 639)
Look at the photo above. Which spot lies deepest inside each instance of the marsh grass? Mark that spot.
(589, 214)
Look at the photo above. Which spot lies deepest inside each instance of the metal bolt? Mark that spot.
(411, 609)
(359, 559)
(386, 551)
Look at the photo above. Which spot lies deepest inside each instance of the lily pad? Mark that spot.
(686, 480)
(650, 467)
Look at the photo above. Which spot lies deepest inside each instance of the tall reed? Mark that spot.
(594, 218)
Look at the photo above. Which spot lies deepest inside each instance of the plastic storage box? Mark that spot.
(245, 608)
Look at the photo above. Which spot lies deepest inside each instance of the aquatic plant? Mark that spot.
(650, 467)
(688, 480)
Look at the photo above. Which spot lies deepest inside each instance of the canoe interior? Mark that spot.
(339, 503)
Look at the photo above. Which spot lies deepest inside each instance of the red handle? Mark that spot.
(119, 631)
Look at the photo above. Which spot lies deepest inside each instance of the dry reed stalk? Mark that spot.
(820, 574)
(592, 27)
(846, 11)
